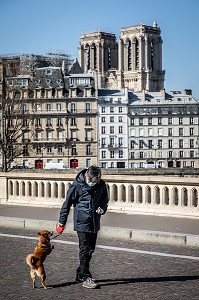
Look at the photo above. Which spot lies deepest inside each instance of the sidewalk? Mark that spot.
(183, 231)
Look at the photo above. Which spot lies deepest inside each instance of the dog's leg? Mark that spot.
(41, 273)
(32, 275)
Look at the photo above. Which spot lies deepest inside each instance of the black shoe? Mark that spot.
(79, 278)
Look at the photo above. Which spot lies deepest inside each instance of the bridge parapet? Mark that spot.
(158, 195)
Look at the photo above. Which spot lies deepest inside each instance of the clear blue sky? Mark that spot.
(40, 26)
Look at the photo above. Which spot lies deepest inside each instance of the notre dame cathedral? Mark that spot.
(134, 61)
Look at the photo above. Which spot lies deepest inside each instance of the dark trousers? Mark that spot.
(87, 242)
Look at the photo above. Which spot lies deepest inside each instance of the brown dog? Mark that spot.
(36, 260)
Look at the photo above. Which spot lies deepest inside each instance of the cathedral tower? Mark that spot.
(98, 54)
(135, 62)
(140, 58)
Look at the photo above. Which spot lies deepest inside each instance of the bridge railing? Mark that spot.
(158, 195)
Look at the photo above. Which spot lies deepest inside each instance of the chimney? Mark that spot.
(188, 92)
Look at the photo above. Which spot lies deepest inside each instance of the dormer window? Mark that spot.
(48, 72)
(48, 81)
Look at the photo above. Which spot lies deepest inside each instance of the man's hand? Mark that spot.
(99, 211)
(60, 228)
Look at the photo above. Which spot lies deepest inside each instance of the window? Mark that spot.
(49, 149)
(181, 154)
(159, 121)
(120, 119)
(38, 122)
(48, 121)
(24, 109)
(38, 149)
(73, 134)
(73, 121)
(73, 150)
(103, 129)
(141, 154)
(170, 131)
(103, 119)
(38, 107)
(150, 132)
(112, 109)
(180, 120)
(191, 143)
(191, 120)
(103, 142)
(159, 131)
(88, 107)
(132, 145)
(112, 154)
(132, 155)
(141, 132)
(120, 153)
(170, 120)
(160, 144)
(103, 154)
(150, 144)
(191, 153)
(180, 143)
(88, 150)
(120, 129)
(191, 131)
(88, 135)
(59, 121)
(103, 109)
(111, 119)
(112, 141)
(141, 145)
(48, 107)
(120, 141)
(88, 121)
(48, 135)
(58, 106)
(120, 109)
(132, 121)
(48, 71)
(59, 135)
(140, 121)
(132, 132)
(181, 131)
(170, 144)
(111, 129)
(192, 164)
(73, 107)
(59, 149)
(150, 121)
(170, 154)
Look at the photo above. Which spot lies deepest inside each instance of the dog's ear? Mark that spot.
(39, 233)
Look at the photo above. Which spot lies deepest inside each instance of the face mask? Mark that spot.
(90, 184)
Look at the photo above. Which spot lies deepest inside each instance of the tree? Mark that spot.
(17, 114)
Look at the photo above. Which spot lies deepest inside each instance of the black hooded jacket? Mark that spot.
(85, 200)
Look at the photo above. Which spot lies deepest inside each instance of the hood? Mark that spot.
(80, 178)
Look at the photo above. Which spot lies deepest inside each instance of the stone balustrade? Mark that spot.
(158, 195)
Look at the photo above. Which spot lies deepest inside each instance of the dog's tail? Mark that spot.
(31, 261)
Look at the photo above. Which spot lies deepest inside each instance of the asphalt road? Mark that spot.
(124, 270)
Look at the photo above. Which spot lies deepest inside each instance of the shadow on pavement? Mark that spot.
(53, 286)
(115, 281)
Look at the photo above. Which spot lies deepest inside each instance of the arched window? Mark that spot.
(136, 54)
(88, 56)
(129, 55)
(152, 55)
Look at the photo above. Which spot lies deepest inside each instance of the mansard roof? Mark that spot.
(48, 77)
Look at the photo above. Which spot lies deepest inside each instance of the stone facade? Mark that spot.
(134, 62)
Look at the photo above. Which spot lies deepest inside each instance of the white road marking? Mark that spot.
(108, 247)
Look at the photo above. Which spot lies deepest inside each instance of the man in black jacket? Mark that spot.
(88, 194)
